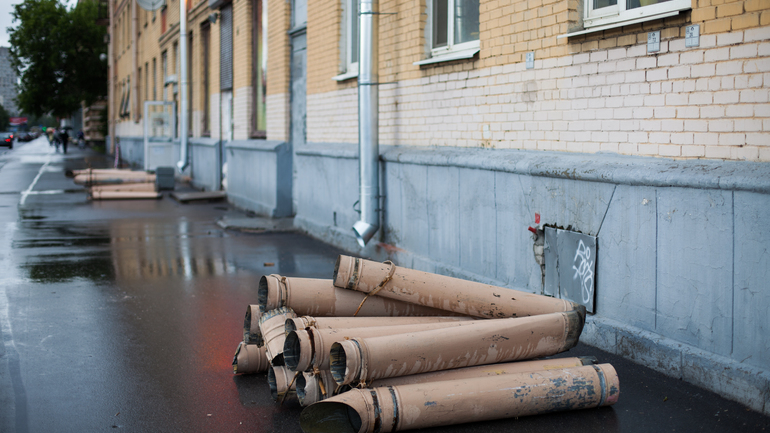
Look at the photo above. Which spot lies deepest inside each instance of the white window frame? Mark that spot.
(349, 35)
(450, 29)
(619, 14)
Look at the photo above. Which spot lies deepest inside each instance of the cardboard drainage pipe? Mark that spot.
(281, 382)
(124, 195)
(315, 297)
(300, 323)
(142, 186)
(272, 324)
(320, 385)
(308, 348)
(446, 293)
(404, 407)
(483, 342)
(250, 358)
(114, 178)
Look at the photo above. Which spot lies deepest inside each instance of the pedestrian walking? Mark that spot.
(64, 139)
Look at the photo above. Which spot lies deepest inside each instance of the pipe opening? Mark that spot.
(364, 232)
(262, 292)
(300, 383)
(330, 417)
(338, 362)
(290, 325)
(336, 268)
(291, 351)
(271, 381)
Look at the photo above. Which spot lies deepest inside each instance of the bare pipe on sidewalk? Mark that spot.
(311, 385)
(315, 297)
(281, 382)
(484, 342)
(403, 407)
(310, 347)
(250, 358)
(124, 195)
(299, 323)
(438, 291)
(272, 325)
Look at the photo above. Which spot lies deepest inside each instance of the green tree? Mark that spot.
(56, 53)
(4, 119)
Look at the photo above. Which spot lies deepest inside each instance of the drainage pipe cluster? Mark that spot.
(378, 342)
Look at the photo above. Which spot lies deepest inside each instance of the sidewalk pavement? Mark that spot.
(126, 314)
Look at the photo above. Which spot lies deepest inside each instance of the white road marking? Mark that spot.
(32, 185)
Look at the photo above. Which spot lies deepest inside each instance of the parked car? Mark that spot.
(6, 139)
(24, 136)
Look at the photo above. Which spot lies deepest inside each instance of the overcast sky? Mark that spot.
(6, 20)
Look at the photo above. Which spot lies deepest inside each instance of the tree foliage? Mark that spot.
(56, 53)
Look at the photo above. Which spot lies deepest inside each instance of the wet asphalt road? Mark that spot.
(124, 316)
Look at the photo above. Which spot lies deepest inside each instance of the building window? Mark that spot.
(154, 80)
(607, 12)
(348, 41)
(258, 69)
(164, 71)
(163, 20)
(455, 25)
(138, 114)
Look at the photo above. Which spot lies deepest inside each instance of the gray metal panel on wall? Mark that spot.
(415, 220)
(626, 264)
(478, 222)
(752, 279)
(226, 48)
(443, 214)
(577, 267)
(695, 267)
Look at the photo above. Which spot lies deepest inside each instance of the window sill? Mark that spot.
(448, 57)
(619, 24)
(346, 76)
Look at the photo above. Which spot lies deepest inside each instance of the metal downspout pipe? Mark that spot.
(368, 122)
(183, 103)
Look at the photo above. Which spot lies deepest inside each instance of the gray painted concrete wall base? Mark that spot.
(132, 153)
(259, 176)
(205, 168)
(732, 379)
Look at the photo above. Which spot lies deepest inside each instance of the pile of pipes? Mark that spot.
(381, 348)
(116, 184)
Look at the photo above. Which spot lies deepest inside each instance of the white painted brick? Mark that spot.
(655, 100)
(744, 153)
(701, 98)
(580, 58)
(757, 65)
(696, 125)
(609, 147)
(624, 113)
(729, 68)
(672, 125)
(668, 59)
(609, 66)
(671, 150)
(616, 78)
(676, 45)
(635, 76)
(638, 137)
(565, 61)
(657, 74)
(618, 136)
(646, 62)
(688, 112)
(742, 110)
(598, 56)
(762, 110)
(721, 125)
(708, 41)
(660, 137)
(643, 113)
(733, 139)
(743, 51)
(706, 139)
(727, 83)
(628, 148)
(682, 138)
(747, 125)
(757, 34)
(726, 97)
(679, 72)
(715, 83)
(729, 38)
(764, 49)
(650, 125)
(758, 138)
(717, 54)
(693, 151)
(616, 53)
(648, 149)
(754, 95)
(664, 112)
(721, 152)
(703, 70)
(690, 57)
(636, 51)
(764, 154)
(629, 125)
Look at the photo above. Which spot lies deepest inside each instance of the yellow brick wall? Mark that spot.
(323, 48)
(278, 57)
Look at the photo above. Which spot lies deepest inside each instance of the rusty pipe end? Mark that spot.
(249, 358)
(298, 351)
(611, 383)
(345, 275)
(340, 414)
(575, 321)
(345, 361)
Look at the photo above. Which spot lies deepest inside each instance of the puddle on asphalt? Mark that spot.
(52, 269)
